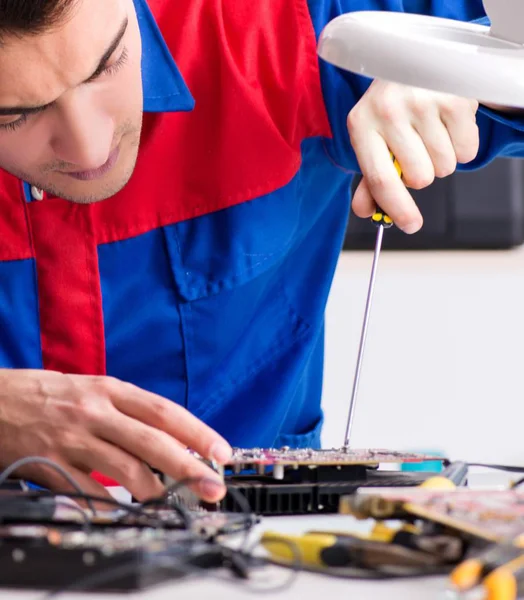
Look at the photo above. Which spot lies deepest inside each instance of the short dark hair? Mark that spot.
(20, 17)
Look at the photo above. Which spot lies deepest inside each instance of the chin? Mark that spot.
(91, 192)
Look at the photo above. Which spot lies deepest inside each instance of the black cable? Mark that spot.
(244, 505)
(508, 468)
(517, 483)
(229, 555)
(135, 510)
(163, 500)
(77, 509)
(166, 559)
(48, 463)
(296, 565)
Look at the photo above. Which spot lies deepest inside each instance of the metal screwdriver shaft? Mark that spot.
(382, 221)
(363, 335)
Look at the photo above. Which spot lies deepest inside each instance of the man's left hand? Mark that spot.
(427, 132)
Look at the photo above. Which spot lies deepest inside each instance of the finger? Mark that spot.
(384, 184)
(362, 203)
(411, 153)
(160, 451)
(48, 478)
(464, 133)
(167, 416)
(439, 146)
(129, 471)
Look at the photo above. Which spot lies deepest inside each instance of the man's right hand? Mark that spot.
(102, 424)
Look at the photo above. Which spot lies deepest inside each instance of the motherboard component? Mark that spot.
(260, 457)
(305, 481)
(53, 557)
(491, 515)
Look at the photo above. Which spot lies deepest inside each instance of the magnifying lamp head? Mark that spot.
(463, 59)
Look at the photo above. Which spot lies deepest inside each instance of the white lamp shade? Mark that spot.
(464, 59)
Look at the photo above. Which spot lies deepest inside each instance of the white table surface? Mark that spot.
(306, 586)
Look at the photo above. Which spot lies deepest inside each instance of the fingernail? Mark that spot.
(411, 228)
(220, 452)
(212, 489)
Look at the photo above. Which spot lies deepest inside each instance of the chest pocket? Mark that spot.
(235, 311)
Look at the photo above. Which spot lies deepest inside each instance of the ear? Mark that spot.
(507, 19)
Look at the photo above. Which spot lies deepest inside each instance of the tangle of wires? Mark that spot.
(217, 550)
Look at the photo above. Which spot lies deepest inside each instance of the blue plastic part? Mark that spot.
(427, 466)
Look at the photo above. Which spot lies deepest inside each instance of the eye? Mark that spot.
(116, 66)
(14, 125)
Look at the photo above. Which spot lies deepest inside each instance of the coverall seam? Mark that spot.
(35, 273)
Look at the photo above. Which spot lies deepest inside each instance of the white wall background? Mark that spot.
(444, 362)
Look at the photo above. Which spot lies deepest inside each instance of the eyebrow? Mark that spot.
(29, 110)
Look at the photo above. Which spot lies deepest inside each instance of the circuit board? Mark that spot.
(57, 557)
(50, 543)
(328, 457)
(307, 481)
(493, 516)
(60, 512)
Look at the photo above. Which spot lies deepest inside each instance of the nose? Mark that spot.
(83, 134)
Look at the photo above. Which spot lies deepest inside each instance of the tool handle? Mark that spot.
(472, 571)
(380, 217)
(506, 582)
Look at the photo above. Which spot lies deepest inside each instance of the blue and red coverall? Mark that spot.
(205, 280)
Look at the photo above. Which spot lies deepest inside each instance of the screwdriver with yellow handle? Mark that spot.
(382, 221)
(325, 550)
(408, 544)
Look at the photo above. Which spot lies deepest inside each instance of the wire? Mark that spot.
(517, 483)
(166, 560)
(296, 566)
(508, 468)
(163, 500)
(79, 510)
(135, 510)
(48, 463)
(244, 505)
(188, 518)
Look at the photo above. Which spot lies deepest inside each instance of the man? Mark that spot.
(173, 198)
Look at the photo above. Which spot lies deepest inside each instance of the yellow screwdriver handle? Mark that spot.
(469, 573)
(283, 548)
(380, 217)
(502, 584)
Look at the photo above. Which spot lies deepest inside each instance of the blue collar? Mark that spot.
(164, 87)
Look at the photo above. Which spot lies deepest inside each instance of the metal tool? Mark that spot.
(332, 550)
(382, 221)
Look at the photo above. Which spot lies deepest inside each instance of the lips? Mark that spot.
(99, 172)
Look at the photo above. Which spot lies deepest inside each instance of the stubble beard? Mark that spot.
(130, 135)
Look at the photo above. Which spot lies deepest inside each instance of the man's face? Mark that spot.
(83, 79)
